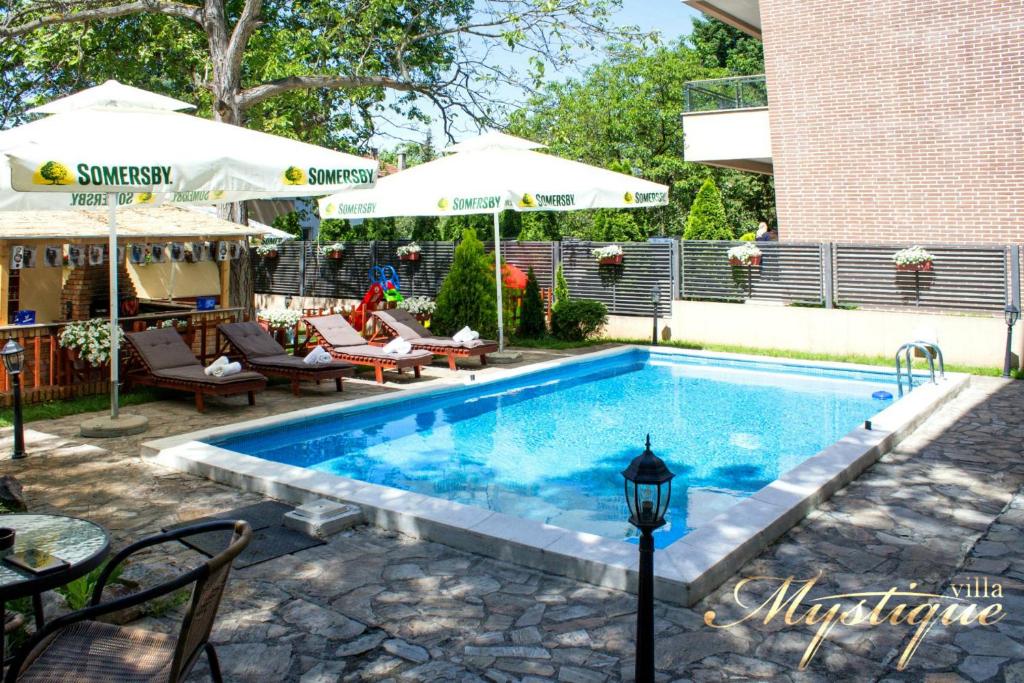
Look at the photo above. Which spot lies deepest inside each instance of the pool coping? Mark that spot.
(685, 571)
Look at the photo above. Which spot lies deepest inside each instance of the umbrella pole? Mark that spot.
(497, 278)
(114, 304)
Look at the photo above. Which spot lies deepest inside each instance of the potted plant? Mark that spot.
(608, 256)
(409, 252)
(333, 251)
(267, 250)
(89, 341)
(913, 259)
(746, 254)
(420, 306)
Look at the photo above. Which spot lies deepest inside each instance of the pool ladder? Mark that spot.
(930, 351)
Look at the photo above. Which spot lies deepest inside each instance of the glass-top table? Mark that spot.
(80, 543)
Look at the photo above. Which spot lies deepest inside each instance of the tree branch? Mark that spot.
(256, 94)
(63, 14)
(247, 24)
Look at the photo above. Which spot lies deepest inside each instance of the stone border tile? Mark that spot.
(685, 572)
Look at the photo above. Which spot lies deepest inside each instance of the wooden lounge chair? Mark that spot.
(399, 323)
(261, 352)
(169, 363)
(77, 647)
(342, 341)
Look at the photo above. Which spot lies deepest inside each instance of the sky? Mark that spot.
(669, 17)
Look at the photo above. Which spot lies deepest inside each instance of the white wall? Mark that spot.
(965, 339)
(727, 135)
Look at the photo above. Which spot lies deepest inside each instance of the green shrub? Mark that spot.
(707, 215)
(531, 317)
(561, 292)
(467, 295)
(578, 319)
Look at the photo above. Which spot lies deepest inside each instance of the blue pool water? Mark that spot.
(550, 446)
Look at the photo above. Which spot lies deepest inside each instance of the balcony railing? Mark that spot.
(739, 92)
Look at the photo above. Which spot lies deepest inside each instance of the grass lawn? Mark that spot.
(888, 362)
(52, 410)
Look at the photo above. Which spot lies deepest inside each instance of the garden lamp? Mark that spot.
(1012, 315)
(655, 300)
(648, 489)
(14, 357)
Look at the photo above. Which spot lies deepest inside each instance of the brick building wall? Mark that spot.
(897, 121)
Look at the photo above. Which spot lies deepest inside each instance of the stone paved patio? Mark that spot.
(371, 606)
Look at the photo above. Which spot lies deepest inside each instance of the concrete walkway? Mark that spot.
(371, 606)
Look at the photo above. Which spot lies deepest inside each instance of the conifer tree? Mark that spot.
(707, 215)
(531, 317)
(561, 287)
(467, 295)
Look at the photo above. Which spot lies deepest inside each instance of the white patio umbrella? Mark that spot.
(490, 174)
(117, 145)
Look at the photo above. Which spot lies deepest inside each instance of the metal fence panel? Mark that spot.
(422, 277)
(789, 272)
(344, 278)
(282, 275)
(964, 278)
(525, 255)
(624, 289)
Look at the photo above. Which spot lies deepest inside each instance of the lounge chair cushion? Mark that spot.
(403, 360)
(410, 329)
(194, 374)
(251, 340)
(445, 342)
(336, 331)
(286, 362)
(163, 348)
(404, 324)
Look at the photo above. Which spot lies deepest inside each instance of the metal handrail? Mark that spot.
(735, 92)
(923, 347)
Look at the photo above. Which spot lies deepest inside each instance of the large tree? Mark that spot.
(315, 69)
(624, 114)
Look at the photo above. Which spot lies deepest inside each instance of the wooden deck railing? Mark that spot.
(53, 372)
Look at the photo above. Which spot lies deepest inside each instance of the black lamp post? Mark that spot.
(655, 300)
(14, 356)
(1012, 314)
(648, 489)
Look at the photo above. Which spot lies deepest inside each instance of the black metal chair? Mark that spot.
(78, 648)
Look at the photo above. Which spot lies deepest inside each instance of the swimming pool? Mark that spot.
(550, 445)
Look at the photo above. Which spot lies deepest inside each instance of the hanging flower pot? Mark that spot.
(914, 267)
(913, 260)
(332, 251)
(744, 255)
(608, 256)
(409, 252)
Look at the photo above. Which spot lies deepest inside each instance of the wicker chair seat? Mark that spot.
(91, 651)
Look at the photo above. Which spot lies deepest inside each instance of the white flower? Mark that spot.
(267, 247)
(408, 249)
(91, 338)
(912, 256)
(611, 251)
(744, 253)
(328, 249)
(280, 318)
(418, 305)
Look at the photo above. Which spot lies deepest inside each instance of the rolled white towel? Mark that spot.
(404, 348)
(212, 368)
(227, 369)
(317, 357)
(394, 345)
(472, 336)
(462, 335)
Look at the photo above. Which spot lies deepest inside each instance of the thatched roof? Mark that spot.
(161, 221)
